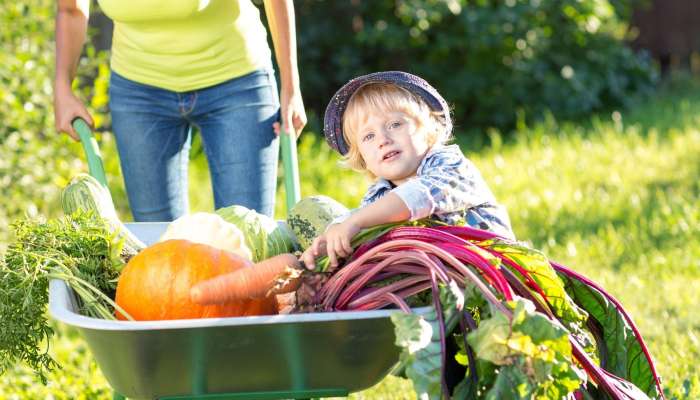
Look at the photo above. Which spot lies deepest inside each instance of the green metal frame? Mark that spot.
(291, 168)
(92, 151)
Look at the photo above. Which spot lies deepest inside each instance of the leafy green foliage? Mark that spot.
(418, 336)
(36, 162)
(532, 354)
(496, 61)
(537, 265)
(622, 354)
(80, 250)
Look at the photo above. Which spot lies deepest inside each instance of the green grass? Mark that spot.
(615, 197)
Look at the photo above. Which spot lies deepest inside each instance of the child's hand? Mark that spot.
(317, 249)
(335, 243)
(337, 239)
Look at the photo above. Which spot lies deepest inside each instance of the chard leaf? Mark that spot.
(622, 353)
(467, 389)
(413, 332)
(533, 352)
(421, 357)
(539, 269)
(489, 340)
(511, 383)
(418, 336)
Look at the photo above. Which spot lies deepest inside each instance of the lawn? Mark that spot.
(614, 197)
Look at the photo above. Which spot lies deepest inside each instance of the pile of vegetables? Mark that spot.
(108, 267)
(529, 339)
(524, 327)
(155, 285)
(478, 316)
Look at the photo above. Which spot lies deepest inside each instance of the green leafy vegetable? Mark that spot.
(532, 354)
(537, 265)
(621, 351)
(80, 249)
(419, 338)
(263, 235)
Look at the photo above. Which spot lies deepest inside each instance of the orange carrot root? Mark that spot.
(278, 274)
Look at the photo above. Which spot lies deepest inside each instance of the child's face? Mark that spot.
(391, 145)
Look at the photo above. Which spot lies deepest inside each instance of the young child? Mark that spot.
(394, 126)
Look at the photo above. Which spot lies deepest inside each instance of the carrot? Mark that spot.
(276, 275)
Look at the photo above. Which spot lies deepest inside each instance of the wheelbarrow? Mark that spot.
(257, 357)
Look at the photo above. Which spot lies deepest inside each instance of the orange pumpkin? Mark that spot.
(155, 284)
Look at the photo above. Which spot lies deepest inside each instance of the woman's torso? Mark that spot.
(183, 45)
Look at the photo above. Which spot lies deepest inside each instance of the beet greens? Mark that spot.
(524, 327)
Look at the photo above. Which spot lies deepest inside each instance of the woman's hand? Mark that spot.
(292, 112)
(71, 28)
(66, 108)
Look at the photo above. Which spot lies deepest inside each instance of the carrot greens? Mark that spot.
(81, 250)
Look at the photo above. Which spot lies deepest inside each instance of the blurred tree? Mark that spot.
(494, 60)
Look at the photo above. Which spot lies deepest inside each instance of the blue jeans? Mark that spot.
(153, 129)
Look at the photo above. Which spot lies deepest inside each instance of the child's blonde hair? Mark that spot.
(387, 97)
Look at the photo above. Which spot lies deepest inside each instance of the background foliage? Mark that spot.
(495, 61)
(35, 162)
(614, 196)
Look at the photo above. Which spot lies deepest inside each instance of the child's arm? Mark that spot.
(389, 208)
(335, 242)
(448, 183)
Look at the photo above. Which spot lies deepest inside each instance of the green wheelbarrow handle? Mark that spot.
(92, 151)
(289, 160)
(291, 167)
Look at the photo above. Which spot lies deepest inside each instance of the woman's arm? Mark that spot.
(280, 18)
(71, 31)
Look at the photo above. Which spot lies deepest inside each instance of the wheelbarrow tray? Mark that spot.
(263, 357)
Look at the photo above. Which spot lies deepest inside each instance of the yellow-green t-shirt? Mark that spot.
(183, 45)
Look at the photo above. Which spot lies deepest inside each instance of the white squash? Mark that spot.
(210, 229)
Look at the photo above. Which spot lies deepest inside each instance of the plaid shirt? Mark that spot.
(448, 187)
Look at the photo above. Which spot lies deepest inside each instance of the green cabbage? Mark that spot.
(264, 236)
